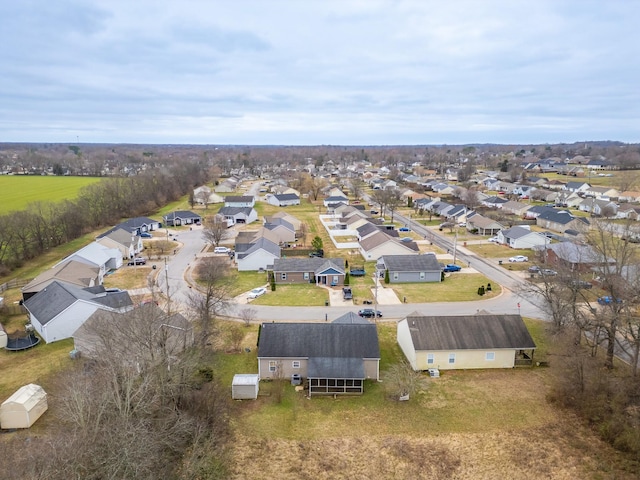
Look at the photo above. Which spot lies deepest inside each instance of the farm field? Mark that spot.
(18, 191)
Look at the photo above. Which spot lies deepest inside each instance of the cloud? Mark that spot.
(332, 72)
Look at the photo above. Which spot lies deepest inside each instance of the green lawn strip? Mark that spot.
(18, 191)
(457, 287)
(305, 295)
(492, 250)
(245, 281)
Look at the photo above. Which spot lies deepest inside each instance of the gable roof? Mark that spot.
(313, 264)
(58, 296)
(181, 214)
(411, 263)
(468, 332)
(323, 340)
(283, 197)
(232, 211)
(261, 243)
(562, 217)
(120, 235)
(239, 199)
(77, 273)
(132, 225)
(351, 317)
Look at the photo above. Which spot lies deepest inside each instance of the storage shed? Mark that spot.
(3, 337)
(24, 407)
(245, 386)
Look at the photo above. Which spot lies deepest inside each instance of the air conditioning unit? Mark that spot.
(29, 328)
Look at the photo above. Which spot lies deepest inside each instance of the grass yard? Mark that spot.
(457, 287)
(466, 424)
(18, 191)
(305, 295)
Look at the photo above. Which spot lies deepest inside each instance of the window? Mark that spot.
(429, 358)
(490, 356)
(452, 358)
(273, 365)
(283, 276)
(295, 364)
(306, 275)
(422, 275)
(335, 279)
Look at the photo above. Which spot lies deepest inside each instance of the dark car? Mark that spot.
(137, 261)
(318, 254)
(534, 269)
(369, 313)
(146, 235)
(607, 300)
(450, 267)
(346, 293)
(580, 284)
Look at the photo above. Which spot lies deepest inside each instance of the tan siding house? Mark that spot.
(465, 342)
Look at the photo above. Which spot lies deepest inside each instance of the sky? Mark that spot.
(311, 72)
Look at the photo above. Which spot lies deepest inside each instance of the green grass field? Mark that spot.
(16, 192)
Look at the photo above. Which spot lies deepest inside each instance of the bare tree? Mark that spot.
(212, 296)
(315, 187)
(215, 229)
(248, 315)
(402, 380)
(302, 233)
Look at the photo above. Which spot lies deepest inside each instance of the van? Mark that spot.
(221, 250)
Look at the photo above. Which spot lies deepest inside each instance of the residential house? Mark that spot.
(410, 268)
(628, 211)
(522, 237)
(226, 186)
(335, 200)
(321, 271)
(561, 220)
(179, 218)
(285, 232)
(135, 226)
(597, 207)
(57, 311)
(283, 199)
(285, 216)
(257, 255)
(574, 256)
(379, 243)
(144, 336)
(602, 193)
(494, 202)
(515, 208)
(629, 196)
(129, 244)
(483, 225)
(95, 254)
(334, 358)
(577, 186)
(234, 215)
(76, 273)
(240, 201)
(465, 341)
(205, 196)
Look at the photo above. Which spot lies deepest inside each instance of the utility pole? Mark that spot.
(166, 272)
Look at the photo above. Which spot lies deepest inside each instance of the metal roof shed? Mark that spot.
(245, 386)
(24, 407)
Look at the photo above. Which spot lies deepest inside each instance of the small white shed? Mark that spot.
(245, 386)
(3, 337)
(24, 407)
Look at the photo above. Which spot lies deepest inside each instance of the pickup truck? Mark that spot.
(346, 293)
(357, 272)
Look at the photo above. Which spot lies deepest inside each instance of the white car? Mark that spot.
(256, 292)
(221, 250)
(519, 258)
(493, 240)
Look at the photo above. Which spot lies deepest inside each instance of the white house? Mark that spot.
(522, 237)
(58, 310)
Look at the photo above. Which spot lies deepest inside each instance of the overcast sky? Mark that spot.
(307, 72)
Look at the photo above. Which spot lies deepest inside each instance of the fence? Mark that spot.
(14, 283)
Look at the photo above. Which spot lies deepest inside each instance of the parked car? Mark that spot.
(493, 240)
(221, 250)
(580, 284)
(519, 258)
(357, 272)
(346, 293)
(534, 269)
(404, 229)
(137, 261)
(369, 313)
(257, 292)
(450, 267)
(318, 254)
(445, 225)
(607, 300)
(548, 272)
(146, 235)
(374, 212)
(406, 239)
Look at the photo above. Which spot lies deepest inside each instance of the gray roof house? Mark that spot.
(240, 201)
(181, 217)
(136, 226)
(239, 214)
(76, 273)
(410, 268)
(321, 271)
(522, 237)
(129, 244)
(257, 255)
(283, 199)
(335, 358)
(465, 341)
(57, 311)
